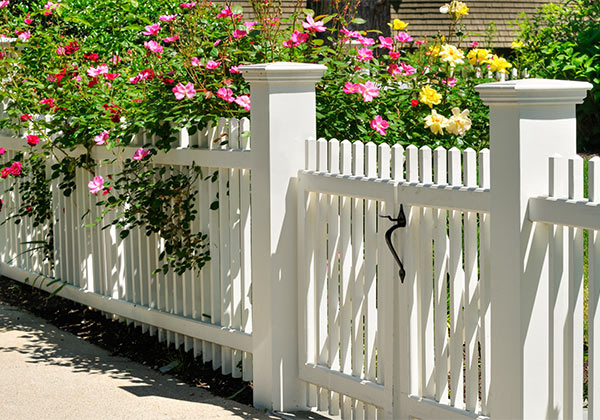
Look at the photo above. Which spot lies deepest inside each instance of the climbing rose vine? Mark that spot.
(75, 78)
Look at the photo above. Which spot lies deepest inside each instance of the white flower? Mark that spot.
(444, 9)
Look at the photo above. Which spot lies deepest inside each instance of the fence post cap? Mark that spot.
(534, 92)
(283, 72)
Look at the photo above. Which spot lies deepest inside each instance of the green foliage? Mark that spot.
(562, 41)
(85, 74)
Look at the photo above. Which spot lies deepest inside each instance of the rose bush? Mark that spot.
(78, 78)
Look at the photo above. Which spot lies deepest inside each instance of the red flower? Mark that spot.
(91, 56)
(414, 103)
(32, 140)
(71, 48)
(26, 117)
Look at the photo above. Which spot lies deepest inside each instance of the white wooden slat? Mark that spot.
(235, 246)
(397, 162)
(67, 233)
(411, 265)
(152, 247)
(425, 284)
(309, 292)
(574, 326)
(205, 274)
(357, 275)
(457, 281)
(471, 297)
(214, 246)
(85, 232)
(441, 290)
(321, 276)
(370, 281)
(558, 187)
(305, 301)
(386, 281)
(246, 267)
(346, 290)
(168, 292)
(333, 247)
(224, 244)
(196, 276)
(594, 297)
(484, 287)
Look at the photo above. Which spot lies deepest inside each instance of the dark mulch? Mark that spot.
(122, 340)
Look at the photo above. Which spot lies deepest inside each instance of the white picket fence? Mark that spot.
(302, 287)
(116, 275)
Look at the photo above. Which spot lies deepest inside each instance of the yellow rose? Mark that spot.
(451, 54)
(399, 25)
(436, 122)
(429, 96)
(459, 123)
(478, 56)
(516, 45)
(499, 64)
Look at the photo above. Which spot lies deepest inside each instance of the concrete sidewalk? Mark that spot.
(46, 373)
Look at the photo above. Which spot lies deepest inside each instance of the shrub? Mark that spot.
(562, 41)
(78, 77)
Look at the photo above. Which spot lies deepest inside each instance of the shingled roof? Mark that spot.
(426, 20)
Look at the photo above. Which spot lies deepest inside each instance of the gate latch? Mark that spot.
(400, 222)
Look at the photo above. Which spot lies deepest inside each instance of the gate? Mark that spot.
(378, 339)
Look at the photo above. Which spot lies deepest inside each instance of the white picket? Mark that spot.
(246, 266)
(235, 246)
(358, 275)
(333, 313)
(425, 284)
(594, 297)
(440, 252)
(457, 287)
(411, 264)
(346, 278)
(370, 281)
(484, 286)
(471, 291)
(558, 183)
(574, 326)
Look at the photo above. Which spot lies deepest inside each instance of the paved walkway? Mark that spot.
(46, 373)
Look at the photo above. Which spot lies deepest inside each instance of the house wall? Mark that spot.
(426, 20)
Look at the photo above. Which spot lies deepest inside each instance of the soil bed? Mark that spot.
(123, 340)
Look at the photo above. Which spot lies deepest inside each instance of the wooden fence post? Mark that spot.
(283, 116)
(530, 120)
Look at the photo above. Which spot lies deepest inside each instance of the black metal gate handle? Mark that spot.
(400, 222)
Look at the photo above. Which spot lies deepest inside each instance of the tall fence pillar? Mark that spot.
(283, 116)
(530, 120)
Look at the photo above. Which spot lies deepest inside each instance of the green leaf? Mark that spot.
(358, 21)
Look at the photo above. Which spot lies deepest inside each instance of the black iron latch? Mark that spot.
(400, 222)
